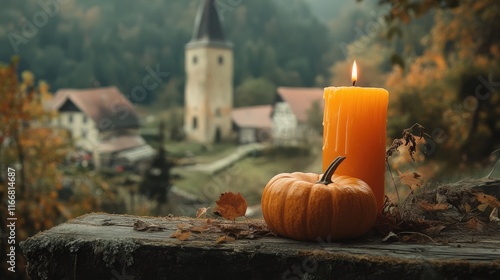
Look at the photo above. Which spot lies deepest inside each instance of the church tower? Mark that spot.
(208, 93)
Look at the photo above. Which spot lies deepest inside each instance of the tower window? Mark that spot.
(70, 118)
(195, 59)
(221, 59)
(218, 112)
(195, 122)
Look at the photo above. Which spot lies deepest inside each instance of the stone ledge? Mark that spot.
(105, 246)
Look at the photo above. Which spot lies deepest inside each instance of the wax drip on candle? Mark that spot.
(354, 75)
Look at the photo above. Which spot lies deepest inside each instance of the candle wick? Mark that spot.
(353, 82)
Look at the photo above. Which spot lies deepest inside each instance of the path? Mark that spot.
(220, 164)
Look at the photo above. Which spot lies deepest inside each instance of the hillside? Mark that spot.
(94, 43)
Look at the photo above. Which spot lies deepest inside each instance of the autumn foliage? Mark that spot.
(37, 151)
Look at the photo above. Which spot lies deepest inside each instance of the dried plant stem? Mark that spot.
(493, 169)
(393, 180)
(495, 166)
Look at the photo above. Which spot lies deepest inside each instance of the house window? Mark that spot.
(84, 119)
(218, 112)
(221, 59)
(70, 118)
(195, 59)
(195, 122)
(84, 133)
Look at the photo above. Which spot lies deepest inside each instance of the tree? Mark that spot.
(254, 92)
(35, 152)
(156, 180)
(451, 88)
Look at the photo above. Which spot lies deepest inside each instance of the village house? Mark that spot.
(291, 112)
(102, 122)
(253, 123)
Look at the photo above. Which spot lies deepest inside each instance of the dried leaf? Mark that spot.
(202, 212)
(475, 224)
(482, 207)
(231, 206)
(494, 216)
(488, 199)
(433, 207)
(225, 239)
(393, 149)
(411, 179)
(468, 208)
(181, 234)
(144, 226)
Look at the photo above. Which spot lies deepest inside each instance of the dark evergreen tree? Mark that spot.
(156, 182)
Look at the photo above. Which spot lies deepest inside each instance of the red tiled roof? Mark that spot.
(301, 99)
(252, 116)
(100, 104)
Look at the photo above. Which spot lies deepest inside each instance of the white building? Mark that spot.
(101, 121)
(290, 114)
(253, 123)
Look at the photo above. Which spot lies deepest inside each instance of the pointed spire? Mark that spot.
(207, 27)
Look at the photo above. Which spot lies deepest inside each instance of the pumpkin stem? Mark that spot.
(327, 176)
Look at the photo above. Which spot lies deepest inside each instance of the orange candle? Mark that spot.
(354, 126)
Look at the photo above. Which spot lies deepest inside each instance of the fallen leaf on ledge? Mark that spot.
(202, 212)
(224, 239)
(475, 224)
(181, 235)
(231, 206)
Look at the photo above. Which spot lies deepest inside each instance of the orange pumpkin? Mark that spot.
(309, 206)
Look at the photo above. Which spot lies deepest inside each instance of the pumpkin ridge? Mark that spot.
(310, 189)
(292, 217)
(334, 227)
(281, 205)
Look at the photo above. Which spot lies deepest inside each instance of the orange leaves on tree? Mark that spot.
(231, 206)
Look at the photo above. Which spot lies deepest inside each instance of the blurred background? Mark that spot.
(62, 59)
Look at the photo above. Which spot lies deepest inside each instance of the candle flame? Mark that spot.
(354, 76)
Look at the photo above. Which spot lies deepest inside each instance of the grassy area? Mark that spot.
(248, 176)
